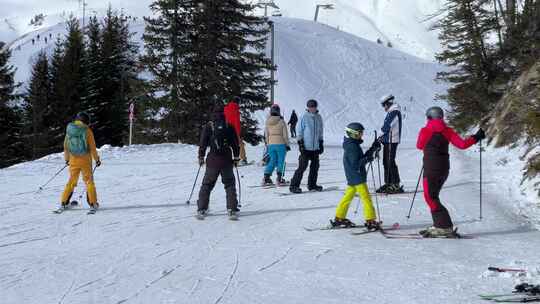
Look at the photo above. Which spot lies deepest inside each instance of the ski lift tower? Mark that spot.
(323, 6)
(266, 4)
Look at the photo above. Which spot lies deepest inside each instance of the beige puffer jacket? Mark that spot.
(276, 131)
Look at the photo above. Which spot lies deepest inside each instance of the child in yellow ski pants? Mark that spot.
(350, 193)
(354, 163)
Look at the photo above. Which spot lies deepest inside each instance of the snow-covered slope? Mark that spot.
(348, 75)
(144, 245)
(400, 22)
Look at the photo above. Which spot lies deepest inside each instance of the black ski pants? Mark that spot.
(209, 181)
(391, 172)
(303, 160)
(433, 183)
(293, 130)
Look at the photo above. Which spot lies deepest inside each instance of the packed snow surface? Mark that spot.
(145, 246)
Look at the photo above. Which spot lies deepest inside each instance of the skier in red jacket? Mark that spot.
(232, 116)
(433, 140)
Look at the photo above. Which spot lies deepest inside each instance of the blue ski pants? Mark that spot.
(277, 153)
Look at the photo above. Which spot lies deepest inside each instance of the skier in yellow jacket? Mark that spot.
(79, 150)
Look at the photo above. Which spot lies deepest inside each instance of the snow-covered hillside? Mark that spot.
(144, 245)
(400, 22)
(346, 74)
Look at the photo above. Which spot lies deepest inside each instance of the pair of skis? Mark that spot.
(387, 232)
(71, 206)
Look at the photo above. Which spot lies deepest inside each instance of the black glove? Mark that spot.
(376, 146)
(288, 148)
(67, 162)
(301, 147)
(236, 160)
(479, 135)
(321, 146)
(98, 163)
(201, 161)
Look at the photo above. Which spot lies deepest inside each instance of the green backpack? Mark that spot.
(76, 139)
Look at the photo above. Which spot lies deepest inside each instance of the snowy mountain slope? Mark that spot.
(348, 75)
(145, 246)
(397, 21)
(401, 22)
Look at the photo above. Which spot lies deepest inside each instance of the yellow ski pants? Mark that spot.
(350, 192)
(75, 169)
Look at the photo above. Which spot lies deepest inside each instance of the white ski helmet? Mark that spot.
(387, 100)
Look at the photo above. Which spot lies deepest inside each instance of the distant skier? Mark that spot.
(390, 138)
(311, 145)
(232, 116)
(292, 122)
(33, 41)
(354, 163)
(277, 141)
(46, 41)
(79, 150)
(433, 139)
(221, 138)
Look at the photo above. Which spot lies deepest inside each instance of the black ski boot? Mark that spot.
(341, 223)
(267, 181)
(281, 181)
(201, 214)
(394, 189)
(316, 188)
(382, 189)
(233, 214)
(295, 189)
(372, 225)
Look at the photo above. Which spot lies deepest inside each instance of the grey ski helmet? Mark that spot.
(84, 117)
(435, 113)
(312, 103)
(275, 110)
(354, 129)
(387, 100)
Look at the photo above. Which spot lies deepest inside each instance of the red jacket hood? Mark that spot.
(436, 125)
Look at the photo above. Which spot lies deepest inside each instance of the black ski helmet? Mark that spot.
(387, 100)
(435, 113)
(353, 130)
(312, 103)
(84, 117)
(275, 110)
(237, 99)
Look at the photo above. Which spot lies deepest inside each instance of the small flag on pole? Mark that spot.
(131, 111)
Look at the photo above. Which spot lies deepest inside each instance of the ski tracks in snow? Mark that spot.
(231, 276)
(164, 274)
(276, 261)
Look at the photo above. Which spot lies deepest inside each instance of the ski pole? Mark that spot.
(194, 183)
(376, 198)
(415, 192)
(51, 179)
(378, 162)
(239, 188)
(480, 179)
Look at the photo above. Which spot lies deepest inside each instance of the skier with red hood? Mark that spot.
(434, 139)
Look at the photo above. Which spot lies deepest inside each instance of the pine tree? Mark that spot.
(464, 32)
(91, 100)
(202, 53)
(229, 44)
(40, 110)
(118, 77)
(11, 140)
(166, 38)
